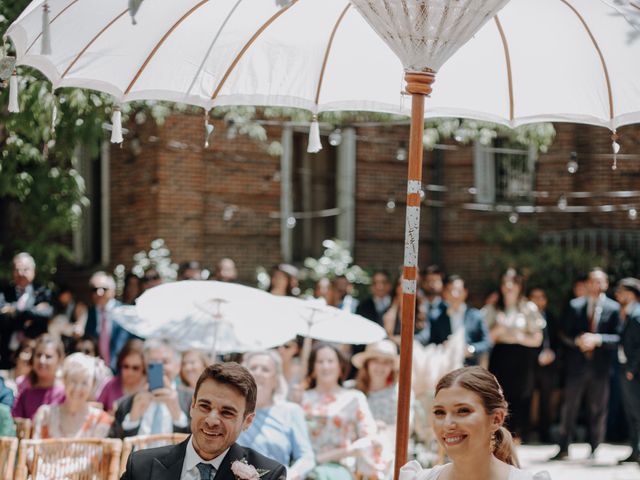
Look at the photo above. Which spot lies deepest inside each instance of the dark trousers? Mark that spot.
(546, 381)
(594, 387)
(631, 401)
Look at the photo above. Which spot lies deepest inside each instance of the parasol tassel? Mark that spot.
(116, 126)
(615, 146)
(208, 129)
(45, 49)
(134, 6)
(314, 145)
(14, 106)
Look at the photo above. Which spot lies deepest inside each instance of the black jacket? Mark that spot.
(165, 463)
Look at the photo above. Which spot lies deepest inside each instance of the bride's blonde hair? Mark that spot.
(484, 384)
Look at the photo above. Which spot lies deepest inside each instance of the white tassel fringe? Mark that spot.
(116, 126)
(314, 145)
(14, 105)
(46, 32)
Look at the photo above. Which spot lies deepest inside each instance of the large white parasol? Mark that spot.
(564, 60)
(543, 60)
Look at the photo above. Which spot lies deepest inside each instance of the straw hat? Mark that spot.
(382, 349)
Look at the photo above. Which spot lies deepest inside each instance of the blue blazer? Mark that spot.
(630, 339)
(576, 323)
(119, 336)
(438, 329)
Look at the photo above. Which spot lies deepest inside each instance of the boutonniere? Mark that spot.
(244, 471)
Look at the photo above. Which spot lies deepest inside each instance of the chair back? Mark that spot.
(63, 458)
(23, 428)
(140, 442)
(8, 450)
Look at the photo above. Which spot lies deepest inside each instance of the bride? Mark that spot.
(467, 417)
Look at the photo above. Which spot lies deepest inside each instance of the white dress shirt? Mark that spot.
(191, 459)
(146, 421)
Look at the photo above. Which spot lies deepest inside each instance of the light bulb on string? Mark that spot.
(615, 146)
(335, 137)
(572, 164)
(291, 222)
(562, 202)
(390, 205)
(633, 213)
(401, 153)
(514, 217)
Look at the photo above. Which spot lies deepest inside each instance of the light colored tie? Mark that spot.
(105, 337)
(206, 471)
(156, 422)
(21, 304)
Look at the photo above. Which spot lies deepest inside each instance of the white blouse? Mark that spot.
(414, 471)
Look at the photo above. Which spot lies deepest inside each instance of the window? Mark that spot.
(318, 194)
(504, 173)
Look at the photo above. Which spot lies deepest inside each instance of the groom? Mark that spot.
(223, 405)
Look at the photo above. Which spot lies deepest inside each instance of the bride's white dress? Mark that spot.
(413, 471)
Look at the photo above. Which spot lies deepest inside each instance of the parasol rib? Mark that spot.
(507, 57)
(52, 20)
(159, 44)
(248, 44)
(597, 47)
(106, 27)
(328, 50)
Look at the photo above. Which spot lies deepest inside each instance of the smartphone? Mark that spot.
(155, 374)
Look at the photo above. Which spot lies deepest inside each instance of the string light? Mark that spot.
(572, 164)
(514, 217)
(291, 222)
(562, 202)
(633, 214)
(391, 205)
(335, 137)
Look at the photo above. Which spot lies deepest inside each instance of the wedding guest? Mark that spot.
(75, 417)
(130, 378)
(41, 388)
(340, 422)
(278, 430)
(284, 280)
(292, 368)
(192, 365)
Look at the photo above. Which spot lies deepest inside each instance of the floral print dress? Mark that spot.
(337, 419)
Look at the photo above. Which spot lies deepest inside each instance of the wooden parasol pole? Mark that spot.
(418, 85)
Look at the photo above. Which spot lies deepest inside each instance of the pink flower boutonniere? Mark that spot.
(243, 471)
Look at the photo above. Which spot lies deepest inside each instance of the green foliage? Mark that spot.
(550, 267)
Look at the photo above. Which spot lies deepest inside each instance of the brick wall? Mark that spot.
(177, 190)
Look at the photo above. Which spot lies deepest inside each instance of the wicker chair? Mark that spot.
(63, 458)
(23, 428)
(8, 450)
(140, 442)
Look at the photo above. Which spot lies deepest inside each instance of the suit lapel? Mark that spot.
(236, 452)
(169, 466)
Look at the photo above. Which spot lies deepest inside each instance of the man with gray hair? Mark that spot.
(100, 324)
(164, 409)
(25, 309)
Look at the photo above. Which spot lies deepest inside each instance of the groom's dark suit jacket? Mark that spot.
(165, 463)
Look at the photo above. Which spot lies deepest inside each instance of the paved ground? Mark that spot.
(535, 458)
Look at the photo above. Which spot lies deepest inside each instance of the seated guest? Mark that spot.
(278, 430)
(339, 420)
(292, 368)
(130, 378)
(163, 410)
(75, 417)
(193, 364)
(15, 378)
(7, 427)
(377, 378)
(41, 387)
(6, 394)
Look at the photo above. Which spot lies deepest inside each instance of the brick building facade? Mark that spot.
(231, 199)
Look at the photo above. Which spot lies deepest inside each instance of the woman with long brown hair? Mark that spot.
(468, 413)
